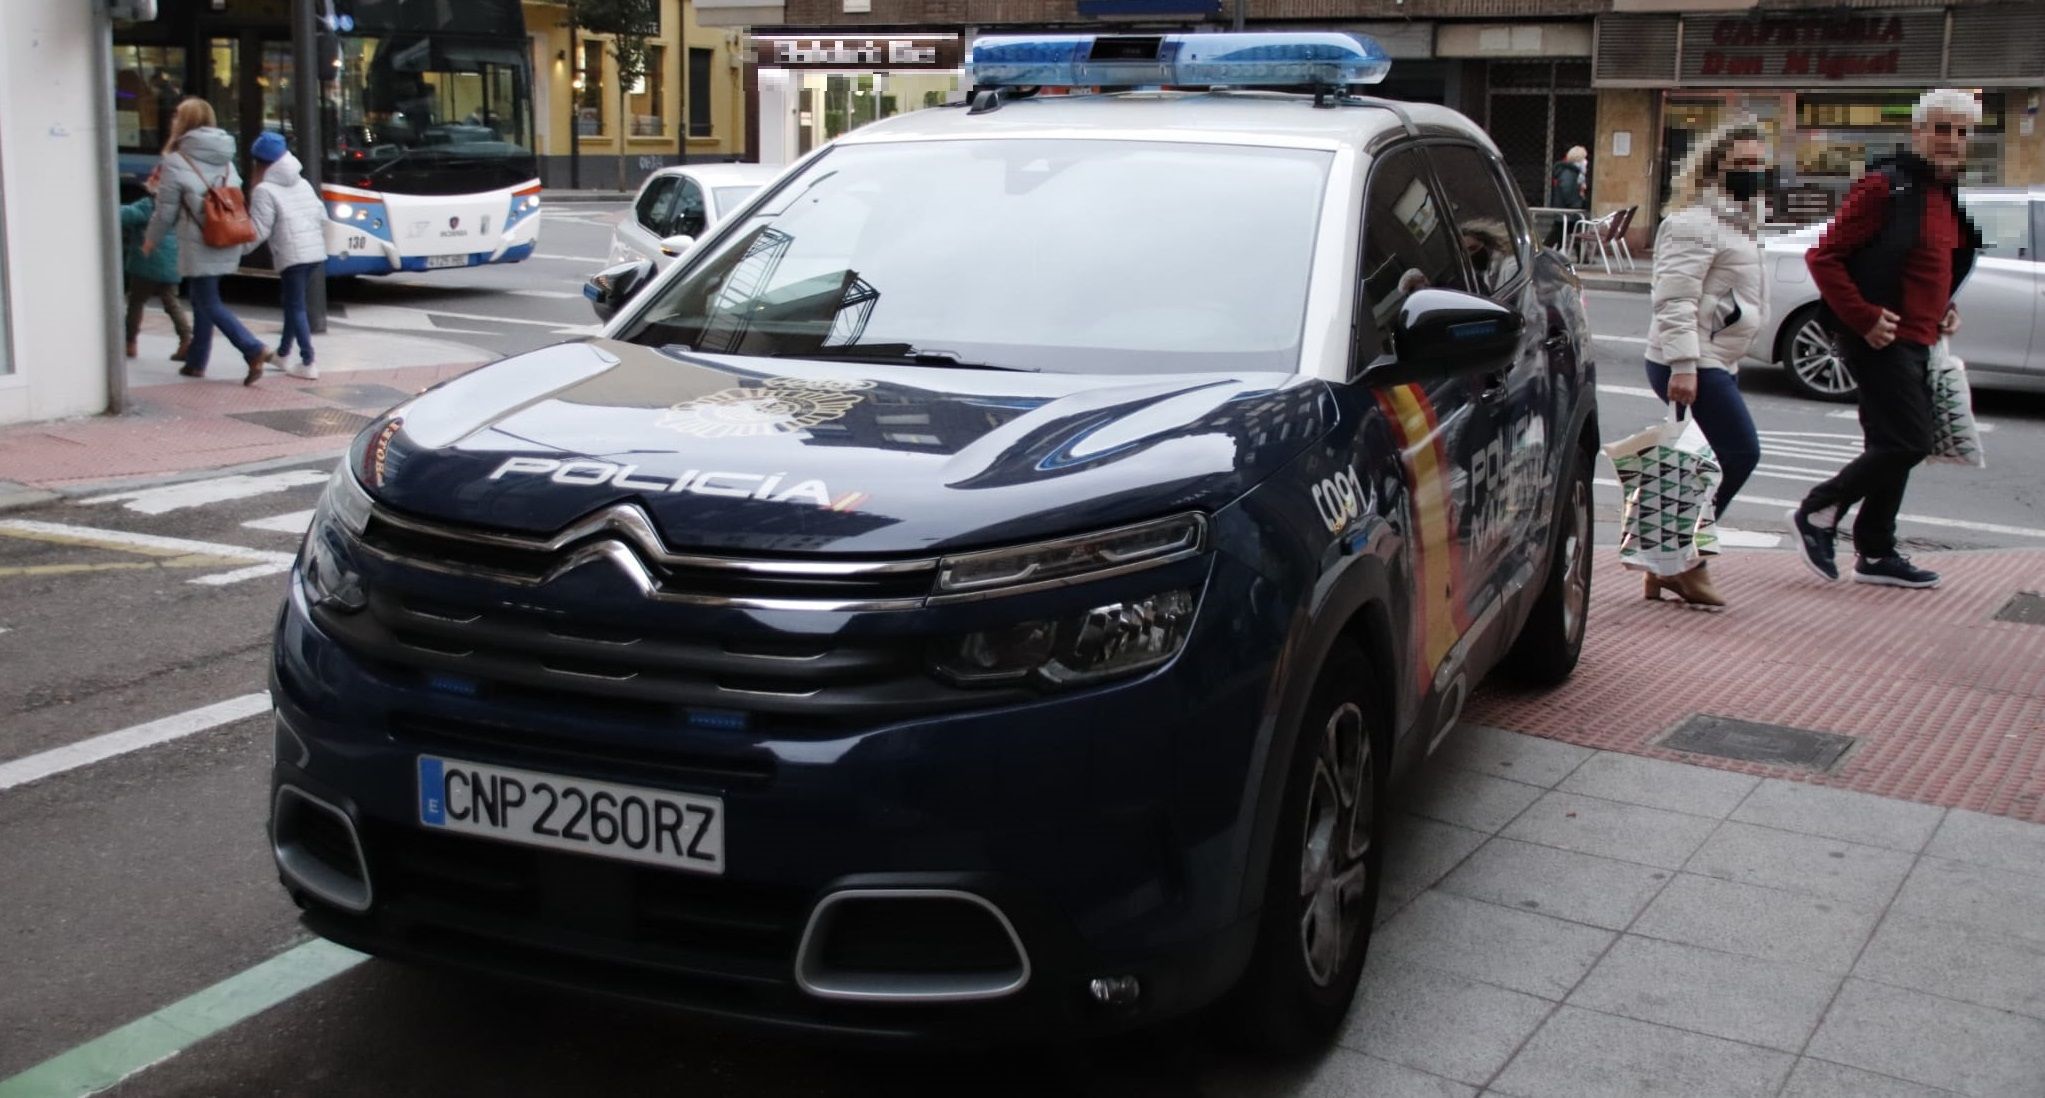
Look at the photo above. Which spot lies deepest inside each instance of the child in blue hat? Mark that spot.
(289, 215)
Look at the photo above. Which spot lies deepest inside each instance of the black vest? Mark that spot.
(1877, 268)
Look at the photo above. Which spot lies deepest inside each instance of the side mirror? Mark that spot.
(677, 244)
(613, 286)
(1446, 333)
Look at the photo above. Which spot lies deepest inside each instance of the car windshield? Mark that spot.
(1067, 256)
(731, 198)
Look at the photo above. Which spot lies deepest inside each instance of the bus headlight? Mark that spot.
(1117, 639)
(343, 211)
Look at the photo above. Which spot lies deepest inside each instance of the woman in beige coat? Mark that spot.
(1709, 302)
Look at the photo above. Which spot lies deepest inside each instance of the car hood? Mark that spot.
(747, 454)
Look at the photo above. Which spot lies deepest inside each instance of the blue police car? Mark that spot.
(990, 587)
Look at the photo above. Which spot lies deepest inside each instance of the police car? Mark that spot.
(990, 587)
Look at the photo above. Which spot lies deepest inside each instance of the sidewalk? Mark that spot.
(179, 424)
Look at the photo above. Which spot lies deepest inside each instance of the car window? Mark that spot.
(2005, 228)
(1485, 223)
(731, 198)
(1067, 256)
(1407, 242)
(690, 219)
(656, 204)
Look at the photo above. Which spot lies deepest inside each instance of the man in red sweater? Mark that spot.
(1887, 269)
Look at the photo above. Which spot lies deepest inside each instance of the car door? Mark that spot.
(1409, 245)
(1507, 510)
(641, 231)
(1999, 304)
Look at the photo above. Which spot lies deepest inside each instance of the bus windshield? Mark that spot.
(420, 113)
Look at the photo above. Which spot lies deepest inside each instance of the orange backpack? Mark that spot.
(225, 223)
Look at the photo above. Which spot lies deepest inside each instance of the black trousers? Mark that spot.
(1896, 423)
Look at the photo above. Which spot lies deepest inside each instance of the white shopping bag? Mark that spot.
(1955, 438)
(1667, 475)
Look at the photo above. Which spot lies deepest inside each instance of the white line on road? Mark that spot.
(1629, 390)
(295, 522)
(199, 493)
(1922, 520)
(156, 545)
(572, 258)
(99, 748)
(1792, 472)
(565, 295)
(1620, 339)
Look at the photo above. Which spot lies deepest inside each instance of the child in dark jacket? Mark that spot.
(151, 276)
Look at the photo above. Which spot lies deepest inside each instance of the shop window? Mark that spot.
(148, 82)
(700, 62)
(589, 91)
(648, 98)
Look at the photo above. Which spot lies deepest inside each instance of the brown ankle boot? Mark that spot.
(184, 350)
(1695, 588)
(132, 351)
(256, 362)
(1654, 586)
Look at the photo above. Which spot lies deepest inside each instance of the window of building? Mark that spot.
(148, 82)
(1486, 224)
(648, 100)
(700, 61)
(589, 91)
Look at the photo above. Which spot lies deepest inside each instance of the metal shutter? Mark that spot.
(1999, 44)
(1636, 50)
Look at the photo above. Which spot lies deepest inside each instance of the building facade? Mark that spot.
(691, 105)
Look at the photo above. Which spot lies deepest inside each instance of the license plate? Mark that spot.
(653, 826)
(435, 262)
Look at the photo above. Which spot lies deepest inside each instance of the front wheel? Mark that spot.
(1812, 359)
(1321, 894)
(1546, 651)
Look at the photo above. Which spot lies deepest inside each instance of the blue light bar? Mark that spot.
(1305, 58)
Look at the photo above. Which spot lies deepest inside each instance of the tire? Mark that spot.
(1810, 360)
(1327, 860)
(1546, 651)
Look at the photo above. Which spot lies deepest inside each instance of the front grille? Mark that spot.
(625, 538)
(535, 660)
(708, 925)
(522, 745)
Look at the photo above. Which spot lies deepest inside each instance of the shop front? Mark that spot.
(816, 87)
(1832, 90)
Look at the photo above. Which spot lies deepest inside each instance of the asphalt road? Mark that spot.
(131, 883)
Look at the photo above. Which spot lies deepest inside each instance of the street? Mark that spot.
(135, 873)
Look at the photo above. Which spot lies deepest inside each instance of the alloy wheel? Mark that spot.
(1334, 857)
(1817, 363)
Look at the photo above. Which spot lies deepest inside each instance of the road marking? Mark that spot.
(71, 756)
(200, 493)
(573, 258)
(1922, 520)
(421, 320)
(1791, 472)
(1620, 339)
(566, 295)
(295, 522)
(105, 1061)
(184, 552)
(1629, 390)
(1748, 539)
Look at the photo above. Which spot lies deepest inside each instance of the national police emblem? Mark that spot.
(776, 406)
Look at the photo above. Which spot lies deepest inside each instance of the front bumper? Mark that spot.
(1105, 826)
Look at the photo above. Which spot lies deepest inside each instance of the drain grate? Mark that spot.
(368, 397)
(2024, 608)
(307, 422)
(1749, 741)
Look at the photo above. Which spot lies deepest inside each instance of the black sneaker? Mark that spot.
(1817, 545)
(1896, 571)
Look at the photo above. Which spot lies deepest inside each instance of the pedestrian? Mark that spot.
(198, 157)
(1887, 269)
(1570, 182)
(151, 277)
(1709, 302)
(289, 214)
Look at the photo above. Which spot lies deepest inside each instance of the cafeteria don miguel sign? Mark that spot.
(1822, 47)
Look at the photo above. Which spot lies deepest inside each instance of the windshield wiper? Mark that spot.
(894, 354)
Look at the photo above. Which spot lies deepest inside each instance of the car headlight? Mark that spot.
(1070, 560)
(1107, 641)
(342, 515)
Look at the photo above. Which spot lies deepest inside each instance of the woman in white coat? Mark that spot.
(1709, 303)
(289, 214)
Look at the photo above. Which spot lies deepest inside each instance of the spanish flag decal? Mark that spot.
(1440, 614)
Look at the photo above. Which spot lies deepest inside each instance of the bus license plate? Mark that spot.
(630, 823)
(435, 262)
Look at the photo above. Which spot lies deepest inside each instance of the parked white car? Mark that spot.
(675, 206)
(2002, 330)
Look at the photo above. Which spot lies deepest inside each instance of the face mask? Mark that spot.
(1743, 186)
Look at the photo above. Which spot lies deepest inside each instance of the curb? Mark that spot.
(157, 480)
(14, 497)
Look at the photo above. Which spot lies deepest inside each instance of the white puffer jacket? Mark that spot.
(1710, 299)
(289, 214)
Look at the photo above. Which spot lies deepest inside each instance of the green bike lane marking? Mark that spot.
(106, 1060)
